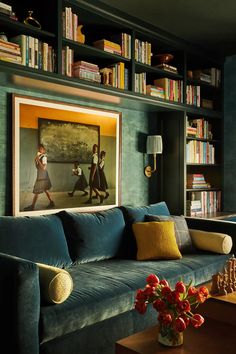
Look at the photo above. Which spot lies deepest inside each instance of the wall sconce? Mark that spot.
(154, 146)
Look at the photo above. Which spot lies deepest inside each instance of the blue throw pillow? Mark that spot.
(134, 214)
(93, 236)
(37, 238)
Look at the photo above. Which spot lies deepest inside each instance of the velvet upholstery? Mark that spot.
(100, 309)
(107, 288)
(93, 236)
(134, 214)
(39, 239)
(20, 305)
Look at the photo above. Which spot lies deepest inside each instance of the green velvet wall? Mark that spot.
(230, 134)
(136, 124)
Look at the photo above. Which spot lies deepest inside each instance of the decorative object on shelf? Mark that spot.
(164, 58)
(174, 307)
(3, 36)
(80, 35)
(106, 76)
(154, 147)
(224, 282)
(31, 21)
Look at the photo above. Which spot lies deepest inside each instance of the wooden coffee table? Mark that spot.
(216, 336)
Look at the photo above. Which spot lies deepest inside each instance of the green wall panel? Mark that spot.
(135, 127)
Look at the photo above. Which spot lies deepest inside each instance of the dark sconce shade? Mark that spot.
(154, 147)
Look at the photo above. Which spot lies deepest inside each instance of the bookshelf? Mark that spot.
(181, 90)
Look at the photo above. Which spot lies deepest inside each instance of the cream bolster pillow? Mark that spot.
(211, 241)
(56, 284)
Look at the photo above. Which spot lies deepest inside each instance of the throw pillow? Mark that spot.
(36, 238)
(182, 234)
(93, 236)
(211, 241)
(134, 214)
(56, 284)
(156, 240)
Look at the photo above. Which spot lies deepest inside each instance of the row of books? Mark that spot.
(211, 76)
(140, 82)
(199, 128)
(193, 95)
(28, 51)
(173, 89)
(69, 24)
(197, 181)
(116, 74)
(205, 202)
(143, 51)
(200, 152)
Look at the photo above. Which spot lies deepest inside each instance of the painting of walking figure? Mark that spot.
(73, 162)
(43, 182)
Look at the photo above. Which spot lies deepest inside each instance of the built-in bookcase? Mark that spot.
(98, 48)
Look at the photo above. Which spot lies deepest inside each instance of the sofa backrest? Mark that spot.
(37, 238)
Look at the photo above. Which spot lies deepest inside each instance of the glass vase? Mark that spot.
(169, 337)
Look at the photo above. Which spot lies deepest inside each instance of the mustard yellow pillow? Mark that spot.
(156, 240)
(56, 284)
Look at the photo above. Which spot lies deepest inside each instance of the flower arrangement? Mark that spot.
(174, 307)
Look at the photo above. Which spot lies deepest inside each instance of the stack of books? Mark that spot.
(5, 9)
(197, 181)
(87, 71)
(108, 46)
(10, 52)
(167, 67)
(194, 207)
(199, 128)
(173, 89)
(155, 91)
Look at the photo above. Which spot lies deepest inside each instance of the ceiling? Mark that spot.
(209, 23)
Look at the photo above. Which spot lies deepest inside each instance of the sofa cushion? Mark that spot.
(156, 240)
(182, 234)
(212, 241)
(134, 214)
(56, 284)
(37, 238)
(93, 236)
(107, 288)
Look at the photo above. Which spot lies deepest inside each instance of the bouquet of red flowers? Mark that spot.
(174, 307)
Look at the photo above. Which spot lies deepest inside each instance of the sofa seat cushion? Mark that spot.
(107, 288)
(37, 238)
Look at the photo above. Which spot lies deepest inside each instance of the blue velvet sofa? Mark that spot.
(98, 250)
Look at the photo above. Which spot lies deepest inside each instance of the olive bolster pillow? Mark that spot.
(211, 241)
(56, 284)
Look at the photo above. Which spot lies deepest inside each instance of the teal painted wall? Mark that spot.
(230, 134)
(135, 187)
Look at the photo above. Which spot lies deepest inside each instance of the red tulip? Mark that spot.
(180, 324)
(180, 287)
(197, 320)
(152, 279)
(164, 282)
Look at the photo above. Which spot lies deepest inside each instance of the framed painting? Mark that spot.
(65, 156)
